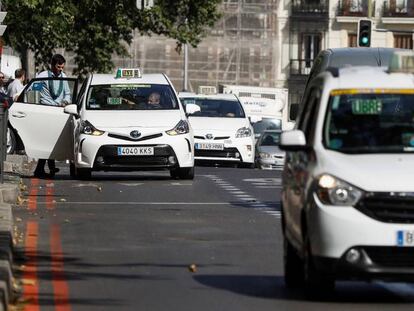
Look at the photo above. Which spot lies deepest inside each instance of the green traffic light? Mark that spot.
(364, 40)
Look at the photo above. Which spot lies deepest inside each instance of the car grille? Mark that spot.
(215, 138)
(109, 158)
(388, 207)
(132, 139)
(226, 153)
(388, 256)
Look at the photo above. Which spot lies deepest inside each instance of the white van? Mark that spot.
(348, 197)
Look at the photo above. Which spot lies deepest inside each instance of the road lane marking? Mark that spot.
(31, 286)
(139, 203)
(247, 199)
(31, 204)
(60, 286)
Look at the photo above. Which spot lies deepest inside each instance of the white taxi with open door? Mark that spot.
(127, 121)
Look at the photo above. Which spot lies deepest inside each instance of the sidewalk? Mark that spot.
(14, 167)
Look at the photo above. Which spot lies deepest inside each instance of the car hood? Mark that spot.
(217, 124)
(270, 150)
(370, 172)
(123, 119)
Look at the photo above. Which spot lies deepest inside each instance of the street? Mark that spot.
(141, 241)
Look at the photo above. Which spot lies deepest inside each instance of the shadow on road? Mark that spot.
(273, 287)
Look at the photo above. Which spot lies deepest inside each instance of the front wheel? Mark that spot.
(83, 173)
(183, 173)
(293, 266)
(317, 285)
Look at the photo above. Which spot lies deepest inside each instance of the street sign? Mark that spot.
(145, 4)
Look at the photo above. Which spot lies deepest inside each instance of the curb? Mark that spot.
(9, 191)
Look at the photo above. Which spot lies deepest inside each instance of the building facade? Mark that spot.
(315, 25)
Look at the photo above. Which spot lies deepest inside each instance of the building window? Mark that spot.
(403, 41)
(352, 40)
(400, 6)
(355, 6)
(311, 46)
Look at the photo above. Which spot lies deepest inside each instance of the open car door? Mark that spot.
(38, 117)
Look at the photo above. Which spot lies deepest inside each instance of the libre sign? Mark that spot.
(2, 27)
(143, 4)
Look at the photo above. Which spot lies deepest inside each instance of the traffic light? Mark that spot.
(364, 33)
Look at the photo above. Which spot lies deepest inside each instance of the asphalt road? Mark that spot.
(141, 241)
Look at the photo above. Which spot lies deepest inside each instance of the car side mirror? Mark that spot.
(294, 140)
(71, 109)
(191, 109)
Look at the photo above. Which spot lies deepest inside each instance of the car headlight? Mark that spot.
(264, 155)
(333, 191)
(181, 128)
(243, 132)
(88, 129)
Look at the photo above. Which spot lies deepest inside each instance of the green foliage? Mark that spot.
(96, 29)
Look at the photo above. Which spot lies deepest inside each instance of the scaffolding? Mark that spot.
(241, 49)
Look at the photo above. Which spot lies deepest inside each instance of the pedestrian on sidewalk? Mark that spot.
(54, 93)
(16, 86)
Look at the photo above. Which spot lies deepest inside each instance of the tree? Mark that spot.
(95, 29)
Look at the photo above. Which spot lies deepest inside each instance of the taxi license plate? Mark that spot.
(405, 238)
(209, 146)
(135, 151)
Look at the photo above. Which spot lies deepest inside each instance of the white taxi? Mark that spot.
(348, 196)
(128, 121)
(222, 131)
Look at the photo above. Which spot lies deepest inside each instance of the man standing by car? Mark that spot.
(53, 93)
(16, 86)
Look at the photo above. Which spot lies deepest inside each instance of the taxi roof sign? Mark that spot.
(402, 61)
(128, 73)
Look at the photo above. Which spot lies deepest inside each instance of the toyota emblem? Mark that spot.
(209, 136)
(135, 134)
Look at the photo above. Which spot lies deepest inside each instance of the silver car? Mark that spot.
(268, 154)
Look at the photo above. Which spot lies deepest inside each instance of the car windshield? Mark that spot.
(216, 108)
(377, 122)
(266, 124)
(131, 97)
(270, 139)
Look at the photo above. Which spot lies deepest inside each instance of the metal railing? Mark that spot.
(306, 6)
(392, 8)
(300, 67)
(354, 8)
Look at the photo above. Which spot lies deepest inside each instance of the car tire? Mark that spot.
(293, 266)
(317, 284)
(11, 141)
(72, 170)
(186, 173)
(83, 173)
(246, 165)
(174, 173)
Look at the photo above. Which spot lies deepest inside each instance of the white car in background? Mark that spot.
(109, 125)
(222, 131)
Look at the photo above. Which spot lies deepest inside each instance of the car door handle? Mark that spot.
(18, 114)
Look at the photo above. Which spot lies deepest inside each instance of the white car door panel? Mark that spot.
(45, 130)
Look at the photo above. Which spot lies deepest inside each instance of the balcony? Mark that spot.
(300, 67)
(309, 7)
(398, 8)
(357, 8)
